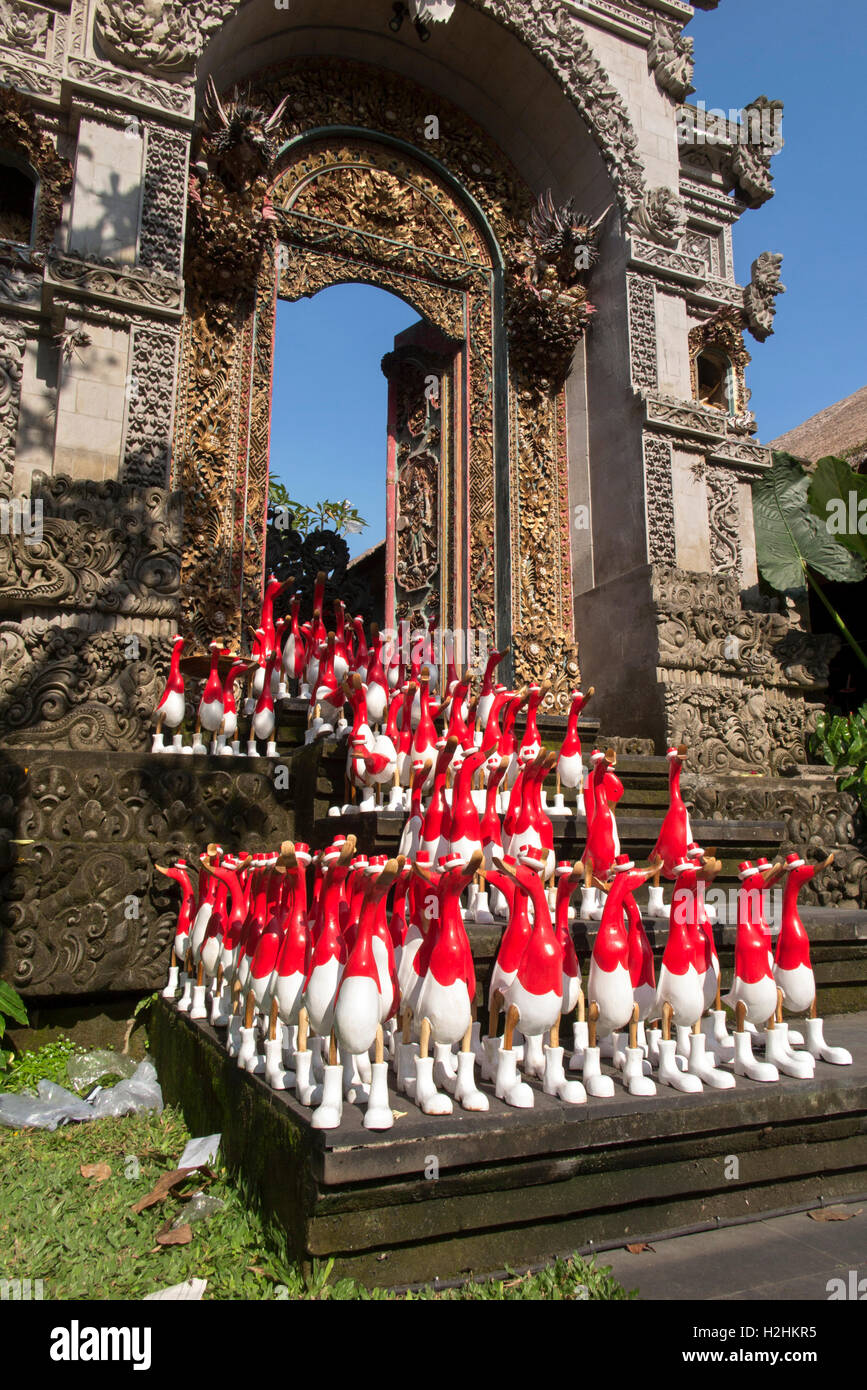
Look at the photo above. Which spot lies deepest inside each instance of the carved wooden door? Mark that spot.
(422, 502)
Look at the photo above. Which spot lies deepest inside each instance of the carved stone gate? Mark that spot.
(295, 205)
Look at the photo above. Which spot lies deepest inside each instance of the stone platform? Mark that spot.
(518, 1187)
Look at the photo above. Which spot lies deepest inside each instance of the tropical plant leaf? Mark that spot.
(788, 534)
(838, 497)
(12, 1004)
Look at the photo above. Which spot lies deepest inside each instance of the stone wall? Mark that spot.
(82, 910)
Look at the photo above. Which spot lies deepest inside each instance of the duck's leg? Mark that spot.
(492, 1043)
(636, 1083)
(745, 1064)
(596, 1084)
(407, 1052)
(554, 1080)
(329, 1112)
(186, 981)
(248, 1053)
(579, 1034)
(378, 1114)
(508, 1085)
(777, 1053)
(816, 1045)
(589, 894)
(305, 1090)
(667, 1070)
(703, 1064)
(426, 1094)
(467, 1094)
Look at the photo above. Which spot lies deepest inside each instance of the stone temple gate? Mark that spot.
(531, 180)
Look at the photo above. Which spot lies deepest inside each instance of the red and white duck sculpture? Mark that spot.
(753, 994)
(610, 997)
(675, 834)
(443, 1000)
(793, 971)
(171, 707)
(570, 768)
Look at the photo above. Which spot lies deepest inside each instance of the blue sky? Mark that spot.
(330, 397)
(329, 417)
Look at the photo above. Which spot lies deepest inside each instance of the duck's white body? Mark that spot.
(211, 715)
(357, 1014)
(321, 993)
(173, 709)
(287, 990)
(447, 1007)
(683, 992)
(798, 986)
(612, 991)
(570, 770)
(538, 1012)
(759, 999)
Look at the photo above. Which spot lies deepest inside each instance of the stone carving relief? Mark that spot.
(558, 39)
(74, 687)
(760, 295)
(24, 27)
(138, 288)
(11, 367)
(642, 333)
(163, 201)
(661, 216)
(751, 158)
(20, 276)
(669, 58)
(548, 309)
(162, 37)
(817, 818)
(98, 825)
(724, 519)
(659, 494)
(104, 547)
(148, 439)
(20, 134)
(734, 682)
(422, 493)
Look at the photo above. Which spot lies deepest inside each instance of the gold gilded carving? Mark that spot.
(19, 132)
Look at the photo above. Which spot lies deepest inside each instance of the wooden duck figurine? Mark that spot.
(793, 971)
(171, 707)
(675, 834)
(611, 1003)
(753, 994)
(443, 1002)
(570, 768)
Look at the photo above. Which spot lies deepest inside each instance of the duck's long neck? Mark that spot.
(175, 681)
(572, 742)
(790, 922)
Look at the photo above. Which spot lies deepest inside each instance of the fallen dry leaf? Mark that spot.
(180, 1235)
(639, 1248)
(164, 1185)
(832, 1214)
(98, 1171)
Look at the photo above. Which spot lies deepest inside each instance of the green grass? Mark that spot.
(82, 1239)
(25, 1070)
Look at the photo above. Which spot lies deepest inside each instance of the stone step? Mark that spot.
(516, 1187)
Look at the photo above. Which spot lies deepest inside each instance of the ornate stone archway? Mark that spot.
(337, 174)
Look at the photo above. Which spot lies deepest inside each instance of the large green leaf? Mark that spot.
(788, 534)
(11, 1004)
(838, 497)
